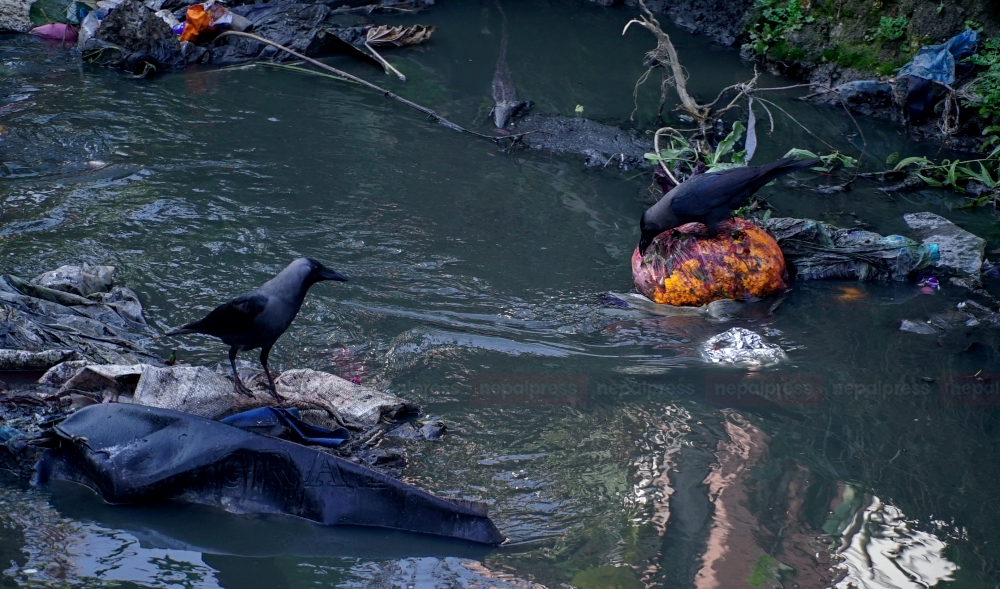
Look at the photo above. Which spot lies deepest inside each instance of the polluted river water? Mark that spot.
(471, 267)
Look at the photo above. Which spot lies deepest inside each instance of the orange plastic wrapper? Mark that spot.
(742, 262)
(196, 22)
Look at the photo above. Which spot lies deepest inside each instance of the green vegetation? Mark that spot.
(865, 58)
(776, 21)
(987, 83)
(956, 174)
(887, 44)
(762, 571)
(891, 28)
(683, 158)
(827, 163)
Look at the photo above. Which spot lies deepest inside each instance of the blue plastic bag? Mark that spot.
(286, 424)
(937, 62)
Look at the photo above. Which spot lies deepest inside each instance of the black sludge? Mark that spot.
(132, 454)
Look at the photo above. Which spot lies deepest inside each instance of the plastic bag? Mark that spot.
(937, 62)
(196, 22)
(742, 262)
(88, 28)
(56, 31)
(286, 424)
(133, 454)
(169, 18)
(202, 18)
(817, 250)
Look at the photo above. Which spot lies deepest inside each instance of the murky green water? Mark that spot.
(468, 262)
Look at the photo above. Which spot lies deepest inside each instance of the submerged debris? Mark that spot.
(506, 106)
(601, 145)
(135, 431)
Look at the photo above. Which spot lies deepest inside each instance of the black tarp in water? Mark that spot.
(133, 454)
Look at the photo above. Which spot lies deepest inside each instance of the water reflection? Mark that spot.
(57, 549)
(881, 550)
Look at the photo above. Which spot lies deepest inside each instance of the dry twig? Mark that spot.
(510, 140)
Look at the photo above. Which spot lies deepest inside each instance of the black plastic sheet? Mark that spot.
(134, 454)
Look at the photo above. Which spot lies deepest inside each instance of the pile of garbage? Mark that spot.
(918, 86)
(71, 313)
(741, 262)
(107, 414)
(815, 250)
(148, 36)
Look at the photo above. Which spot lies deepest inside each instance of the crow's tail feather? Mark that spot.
(786, 165)
(781, 167)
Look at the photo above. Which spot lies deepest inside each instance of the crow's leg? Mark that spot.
(702, 234)
(237, 383)
(711, 224)
(264, 353)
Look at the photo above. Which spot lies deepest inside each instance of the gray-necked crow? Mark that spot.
(257, 319)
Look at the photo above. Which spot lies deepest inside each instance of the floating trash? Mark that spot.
(741, 347)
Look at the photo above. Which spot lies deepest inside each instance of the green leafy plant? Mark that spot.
(777, 19)
(827, 163)
(889, 28)
(683, 158)
(956, 174)
(986, 86)
(725, 148)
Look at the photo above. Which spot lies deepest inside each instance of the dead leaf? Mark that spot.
(399, 35)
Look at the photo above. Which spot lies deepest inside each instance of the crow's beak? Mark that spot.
(327, 274)
(644, 242)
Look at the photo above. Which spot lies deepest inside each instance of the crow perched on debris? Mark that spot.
(257, 319)
(711, 198)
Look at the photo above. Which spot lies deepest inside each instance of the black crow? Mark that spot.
(257, 319)
(711, 198)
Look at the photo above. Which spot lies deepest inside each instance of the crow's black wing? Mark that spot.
(235, 316)
(707, 192)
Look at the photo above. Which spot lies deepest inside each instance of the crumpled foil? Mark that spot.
(742, 347)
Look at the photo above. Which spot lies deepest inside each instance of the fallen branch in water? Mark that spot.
(698, 150)
(666, 53)
(513, 139)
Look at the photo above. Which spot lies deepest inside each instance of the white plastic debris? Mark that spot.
(353, 402)
(88, 28)
(741, 347)
(106, 6)
(82, 280)
(117, 379)
(961, 252)
(26, 360)
(916, 327)
(169, 18)
(192, 389)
